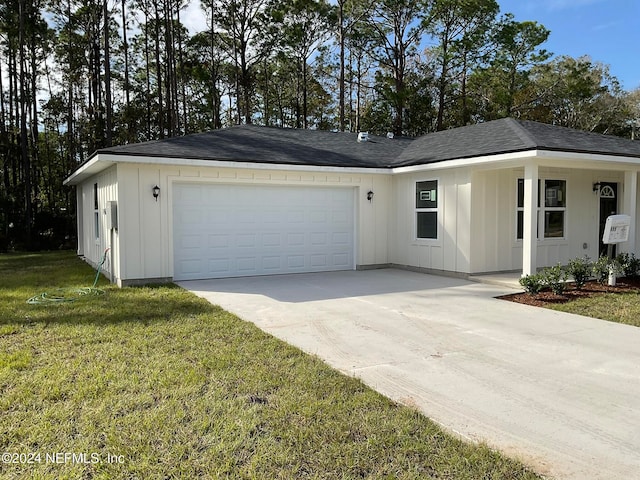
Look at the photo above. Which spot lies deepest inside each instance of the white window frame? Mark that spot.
(435, 210)
(96, 214)
(542, 209)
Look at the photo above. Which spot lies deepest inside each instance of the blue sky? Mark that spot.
(608, 31)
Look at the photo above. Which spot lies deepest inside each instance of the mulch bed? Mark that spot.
(546, 297)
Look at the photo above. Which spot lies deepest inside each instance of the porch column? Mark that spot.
(629, 207)
(530, 230)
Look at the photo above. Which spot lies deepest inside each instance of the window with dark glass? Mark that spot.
(555, 202)
(96, 212)
(554, 193)
(427, 209)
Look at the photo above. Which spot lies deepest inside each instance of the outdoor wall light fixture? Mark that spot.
(596, 187)
(369, 195)
(156, 192)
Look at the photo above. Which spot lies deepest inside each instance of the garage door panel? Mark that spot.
(230, 230)
(271, 240)
(219, 240)
(295, 240)
(341, 260)
(319, 260)
(245, 240)
(319, 216)
(271, 264)
(191, 241)
(215, 217)
(190, 267)
(341, 238)
(219, 266)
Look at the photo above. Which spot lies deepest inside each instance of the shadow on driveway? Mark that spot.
(309, 287)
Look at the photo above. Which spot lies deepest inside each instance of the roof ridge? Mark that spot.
(521, 131)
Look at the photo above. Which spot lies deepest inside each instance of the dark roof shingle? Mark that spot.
(509, 135)
(255, 144)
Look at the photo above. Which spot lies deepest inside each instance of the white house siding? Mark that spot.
(90, 247)
(147, 225)
(636, 176)
(451, 250)
(493, 217)
(494, 198)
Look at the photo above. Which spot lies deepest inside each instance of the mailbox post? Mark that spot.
(616, 230)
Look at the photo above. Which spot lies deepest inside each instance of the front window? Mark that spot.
(96, 212)
(555, 204)
(554, 193)
(427, 209)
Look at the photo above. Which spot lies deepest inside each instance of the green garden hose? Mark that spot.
(62, 295)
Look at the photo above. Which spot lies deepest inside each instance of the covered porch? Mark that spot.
(547, 208)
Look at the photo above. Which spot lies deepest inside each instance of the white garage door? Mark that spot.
(236, 230)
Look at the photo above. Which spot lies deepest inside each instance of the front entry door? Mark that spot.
(608, 206)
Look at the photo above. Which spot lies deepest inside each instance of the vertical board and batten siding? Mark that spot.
(494, 206)
(147, 225)
(90, 247)
(143, 223)
(451, 250)
(493, 217)
(637, 216)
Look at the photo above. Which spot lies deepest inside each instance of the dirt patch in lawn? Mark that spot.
(547, 297)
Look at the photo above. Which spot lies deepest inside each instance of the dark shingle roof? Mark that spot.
(250, 143)
(256, 144)
(509, 135)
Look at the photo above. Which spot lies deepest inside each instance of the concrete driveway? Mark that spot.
(560, 392)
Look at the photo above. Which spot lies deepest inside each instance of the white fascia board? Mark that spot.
(469, 162)
(553, 159)
(93, 166)
(188, 162)
(589, 160)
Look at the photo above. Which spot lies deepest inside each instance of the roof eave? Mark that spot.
(94, 165)
(589, 156)
(541, 153)
(493, 158)
(104, 160)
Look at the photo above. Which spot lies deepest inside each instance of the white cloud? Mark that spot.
(605, 26)
(194, 18)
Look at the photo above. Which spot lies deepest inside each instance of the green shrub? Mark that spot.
(532, 284)
(554, 278)
(580, 270)
(603, 265)
(629, 264)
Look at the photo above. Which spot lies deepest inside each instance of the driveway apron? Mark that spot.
(558, 391)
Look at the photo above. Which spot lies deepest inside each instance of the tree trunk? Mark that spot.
(305, 113)
(442, 84)
(341, 41)
(24, 137)
(125, 46)
(159, 72)
(107, 79)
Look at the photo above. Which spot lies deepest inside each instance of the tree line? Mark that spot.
(79, 75)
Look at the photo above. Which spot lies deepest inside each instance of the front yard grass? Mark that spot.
(623, 307)
(156, 383)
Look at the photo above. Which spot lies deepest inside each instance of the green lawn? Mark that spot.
(157, 383)
(615, 307)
